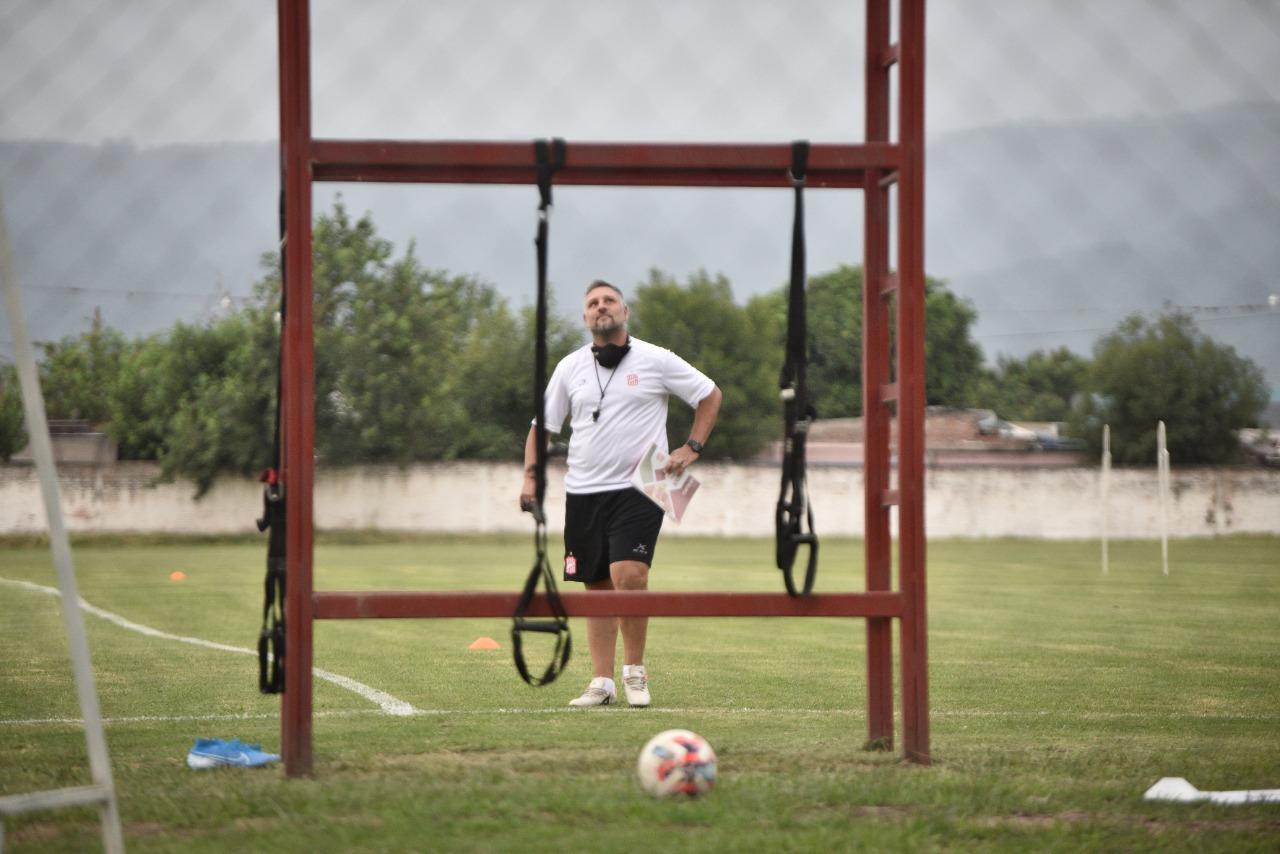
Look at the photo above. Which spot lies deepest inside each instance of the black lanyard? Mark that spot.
(595, 416)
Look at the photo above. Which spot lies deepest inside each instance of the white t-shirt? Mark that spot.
(633, 410)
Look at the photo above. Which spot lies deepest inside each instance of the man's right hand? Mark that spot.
(529, 500)
(529, 493)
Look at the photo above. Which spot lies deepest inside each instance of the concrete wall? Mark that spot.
(80, 448)
(734, 500)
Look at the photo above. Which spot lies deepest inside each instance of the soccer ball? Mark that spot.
(677, 762)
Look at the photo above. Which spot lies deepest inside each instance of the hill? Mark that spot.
(1054, 231)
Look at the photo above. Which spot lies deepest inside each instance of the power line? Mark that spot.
(1100, 329)
(131, 292)
(1241, 310)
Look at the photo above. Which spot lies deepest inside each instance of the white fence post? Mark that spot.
(1162, 484)
(1105, 489)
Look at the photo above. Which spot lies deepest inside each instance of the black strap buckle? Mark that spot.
(549, 156)
(799, 163)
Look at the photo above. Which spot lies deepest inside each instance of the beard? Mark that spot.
(606, 324)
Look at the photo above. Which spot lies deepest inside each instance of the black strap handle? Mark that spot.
(271, 638)
(793, 510)
(557, 624)
(549, 157)
(794, 514)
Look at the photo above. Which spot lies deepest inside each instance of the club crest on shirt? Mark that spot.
(633, 379)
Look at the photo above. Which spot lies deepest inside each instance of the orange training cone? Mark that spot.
(484, 643)
(177, 575)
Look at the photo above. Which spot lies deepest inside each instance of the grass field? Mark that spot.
(1058, 696)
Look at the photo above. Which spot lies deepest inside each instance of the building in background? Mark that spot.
(75, 442)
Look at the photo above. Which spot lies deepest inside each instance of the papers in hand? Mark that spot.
(671, 492)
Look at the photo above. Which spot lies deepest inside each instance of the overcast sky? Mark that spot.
(202, 70)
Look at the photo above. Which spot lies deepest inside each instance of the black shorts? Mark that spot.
(603, 527)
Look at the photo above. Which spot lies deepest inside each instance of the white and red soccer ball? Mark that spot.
(677, 762)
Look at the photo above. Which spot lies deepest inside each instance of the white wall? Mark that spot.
(734, 500)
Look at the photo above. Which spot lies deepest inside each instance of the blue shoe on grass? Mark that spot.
(214, 752)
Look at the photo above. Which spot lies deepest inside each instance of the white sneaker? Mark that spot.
(636, 686)
(599, 693)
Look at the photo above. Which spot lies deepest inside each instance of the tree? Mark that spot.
(411, 364)
(701, 322)
(492, 380)
(833, 320)
(140, 404)
(1040, 387)
(78, 373)
(953, 361)
(420, 365)
(218, 384)
(391, 353)
(1167, 370)
(13, 435)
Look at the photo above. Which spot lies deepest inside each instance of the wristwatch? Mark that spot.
(696, 445)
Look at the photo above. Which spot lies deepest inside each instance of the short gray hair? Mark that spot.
(601, 283)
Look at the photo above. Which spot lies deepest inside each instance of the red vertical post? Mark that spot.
(911, 382)
(297, 388)
(881, 386)
(877, 545)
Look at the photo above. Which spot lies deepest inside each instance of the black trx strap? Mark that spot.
(794, 514)
(549, 159)
(271, 638)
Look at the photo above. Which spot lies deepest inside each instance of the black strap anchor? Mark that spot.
(794, 516)
(549, 158)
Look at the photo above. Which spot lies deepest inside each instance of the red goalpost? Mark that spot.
(892, 373)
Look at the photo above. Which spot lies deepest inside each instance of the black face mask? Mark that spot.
(611, 354)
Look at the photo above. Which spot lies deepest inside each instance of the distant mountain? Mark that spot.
(1073, 228)
(1054, 231)
(149, 236)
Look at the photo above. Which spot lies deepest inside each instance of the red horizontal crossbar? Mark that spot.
(355, 606)
(597, 163)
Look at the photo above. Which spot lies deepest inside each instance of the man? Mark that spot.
(614, 393)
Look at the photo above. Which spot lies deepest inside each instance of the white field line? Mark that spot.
(384, 701)
(393, 706)
(135, 719)
(961, 714)
(852, 714)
